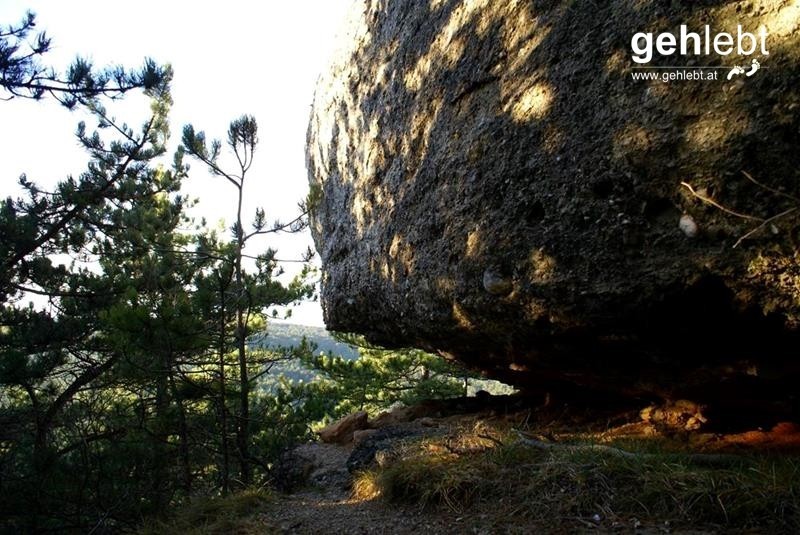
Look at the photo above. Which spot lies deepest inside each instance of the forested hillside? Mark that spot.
(283, 338)
(280, 334)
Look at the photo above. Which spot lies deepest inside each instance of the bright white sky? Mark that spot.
(230, 58)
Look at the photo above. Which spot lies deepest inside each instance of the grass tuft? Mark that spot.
(514, 482)
(366, 487)
(234, 514)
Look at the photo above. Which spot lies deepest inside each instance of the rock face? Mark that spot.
(494, 185)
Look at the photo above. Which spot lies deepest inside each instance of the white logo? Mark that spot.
(645, 45)
(737, 70)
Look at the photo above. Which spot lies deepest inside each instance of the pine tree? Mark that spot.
(74, 247)
(23, 74)
(250, 293)
(116, 398)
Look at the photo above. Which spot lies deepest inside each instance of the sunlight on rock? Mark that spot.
(449, 53)
(713, 131)
(533, 103)
(403, 255)
(544, 266)
(553, 139)
(657, 89)
(780, 19)
(632, 139)
(361, 209)
(514, 133)
(473, 243)
(373, 159)
(782, 274)
(414, 144)
(385, 269)
(785, 21)
(617, 62)
(447, 48)
(382, 73)
(536, 310)
(522, 34)
(460, 315)
(444, 285)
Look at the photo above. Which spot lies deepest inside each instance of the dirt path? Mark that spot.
(312, 512)
(326, 506)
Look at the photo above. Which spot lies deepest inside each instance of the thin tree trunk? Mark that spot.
(223, 410)
(244, 404)
(243, 435)
(160, 466)
(183, 436)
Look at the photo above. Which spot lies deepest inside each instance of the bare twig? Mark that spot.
(715, 204)
(764, 224)
(769, 188)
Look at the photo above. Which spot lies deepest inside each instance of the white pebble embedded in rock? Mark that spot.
(688, 226)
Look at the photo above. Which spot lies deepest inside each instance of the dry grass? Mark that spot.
(235, 514)
(523, 486)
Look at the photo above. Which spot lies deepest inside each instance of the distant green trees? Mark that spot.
(381, 377)
(334, 374)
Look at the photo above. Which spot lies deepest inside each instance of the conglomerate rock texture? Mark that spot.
(494, 185)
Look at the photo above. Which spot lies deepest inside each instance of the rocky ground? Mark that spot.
(325, 503)
(318, 477)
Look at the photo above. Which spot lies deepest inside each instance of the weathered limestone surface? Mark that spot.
(495, 186)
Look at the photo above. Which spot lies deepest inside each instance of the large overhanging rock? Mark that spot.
(495, 185)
